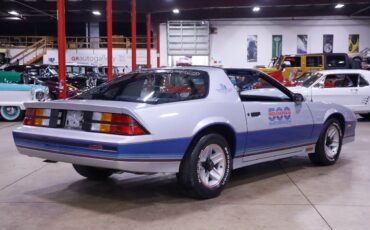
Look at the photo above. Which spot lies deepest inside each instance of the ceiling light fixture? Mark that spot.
(13, 18)
(339, 5)
(13, 12)
(96, 12)
(176, 11)
(256, 9)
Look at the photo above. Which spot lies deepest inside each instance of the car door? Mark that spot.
(276, 124)
(341, 89)
(364, 95)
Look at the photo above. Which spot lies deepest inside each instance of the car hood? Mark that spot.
(268, 70)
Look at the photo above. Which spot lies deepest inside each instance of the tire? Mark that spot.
(11, 113)
(200, 176)
(93, 173)
(365, 116)
(329, 145)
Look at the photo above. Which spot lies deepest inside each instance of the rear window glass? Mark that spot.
(335, 61)
(314, 61)
(153, 87)
(292, 62)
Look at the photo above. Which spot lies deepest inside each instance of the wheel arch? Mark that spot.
(340, 118)
(357, 57)
(223, 129)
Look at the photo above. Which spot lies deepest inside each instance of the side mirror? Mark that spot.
(283, 66)
(298, 98)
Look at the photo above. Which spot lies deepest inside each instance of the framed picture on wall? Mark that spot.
(302, 41)
(354, 43)
(252, 48)
(328, 43)
(277, 45)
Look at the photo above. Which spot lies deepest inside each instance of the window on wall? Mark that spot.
(314, 61)
(188, 38)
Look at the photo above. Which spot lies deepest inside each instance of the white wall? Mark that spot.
(229, 45)
(163, 44)
(121, 57)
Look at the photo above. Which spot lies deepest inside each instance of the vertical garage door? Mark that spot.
(188, 38)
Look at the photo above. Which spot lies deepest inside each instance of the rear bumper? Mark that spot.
(92, 153)
(127, 166)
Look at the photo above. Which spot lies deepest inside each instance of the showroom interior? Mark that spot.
(164, 114)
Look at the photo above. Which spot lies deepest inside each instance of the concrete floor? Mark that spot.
(285, 194)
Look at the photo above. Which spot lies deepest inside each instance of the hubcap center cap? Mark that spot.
(208, 165)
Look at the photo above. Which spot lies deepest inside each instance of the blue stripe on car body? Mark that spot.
(163, 149)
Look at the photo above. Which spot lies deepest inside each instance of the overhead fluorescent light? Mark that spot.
(13, 18)
(339, 5)
(13, 12)
(256, 9)
(176, 11)
(96, 12)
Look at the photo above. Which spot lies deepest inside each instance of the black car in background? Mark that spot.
(103, 71)
(84, 76)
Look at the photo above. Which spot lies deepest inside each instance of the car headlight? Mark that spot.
(40, 95)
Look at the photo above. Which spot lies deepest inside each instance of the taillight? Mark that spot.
(116, 124)
(37, 117)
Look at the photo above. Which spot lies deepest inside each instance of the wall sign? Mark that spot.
(277, 45)
(328, 41)
(354, 43)
(302, 41)
(252, 48)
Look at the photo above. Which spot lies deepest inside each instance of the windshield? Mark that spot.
(278, 62)
(311, 79)
(153, 87)
(53, 71)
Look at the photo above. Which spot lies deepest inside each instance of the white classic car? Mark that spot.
(350, 88)
(13, 96)
(191, 121)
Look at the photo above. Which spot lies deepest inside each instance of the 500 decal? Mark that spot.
(279, 115)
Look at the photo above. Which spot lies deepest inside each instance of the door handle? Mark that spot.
(255, 114)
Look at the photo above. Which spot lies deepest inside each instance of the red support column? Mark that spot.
(133, 33)
(61, 49)
(148, 41)
(109, 35)
(158, 46)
